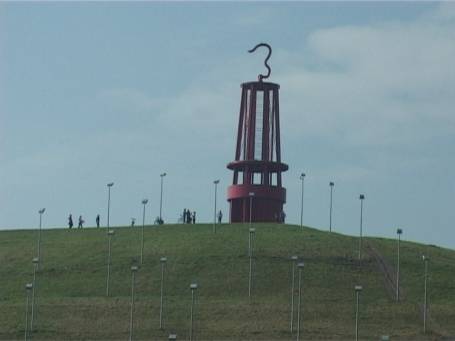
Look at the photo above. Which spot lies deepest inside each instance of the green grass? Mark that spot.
(71, 285)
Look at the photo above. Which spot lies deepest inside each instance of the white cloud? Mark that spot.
(386, 84)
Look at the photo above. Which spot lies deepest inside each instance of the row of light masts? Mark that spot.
(193, 287)
(109, 185)
(110, 233)
(30, 289)
(331, 185)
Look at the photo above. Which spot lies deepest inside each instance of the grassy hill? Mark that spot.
(71, 302)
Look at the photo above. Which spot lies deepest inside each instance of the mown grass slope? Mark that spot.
(71, 284)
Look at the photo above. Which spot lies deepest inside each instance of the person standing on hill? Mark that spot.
(70, 221)
(220, 217)
(98, 220)
(81, 221)
(184, 216)
(194, 217)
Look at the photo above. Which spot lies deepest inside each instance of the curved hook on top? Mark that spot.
(261, 76)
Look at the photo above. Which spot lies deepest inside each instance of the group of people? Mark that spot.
(81, 221)
(188, 217)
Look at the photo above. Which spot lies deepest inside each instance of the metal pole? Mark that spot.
(142, 237)
(357, 289)
(109, 235)
(161, 196)
(250, 253)
(302, 177)
(361, 225)
(35, 262)
(251, 208)
(163, 264)
(133, 277)
(357, 293)
(293, 260)
(39, 237)
(28, 287)
(41, 211)
(399, 231)
(192, 305)
(108, 205)
(300, 266)
(331, 195)
(425, 300)
(144, 202)
(193, 287)
(214, 212)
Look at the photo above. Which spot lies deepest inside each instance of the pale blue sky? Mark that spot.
(98, 92)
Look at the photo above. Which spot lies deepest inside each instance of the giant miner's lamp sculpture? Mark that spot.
(257, 166)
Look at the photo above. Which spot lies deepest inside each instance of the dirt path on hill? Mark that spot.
(390, 280)
(388, 271)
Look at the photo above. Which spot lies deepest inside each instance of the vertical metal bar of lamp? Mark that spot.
(216, 182)
(163, 261)
(299, 304)
(28, 288)
(110, 233)
(193, 288)
(331, 184)
(162, 175)
(357, 289)
(133, 282)
(293, 261)
(252, 231)
(144, 202)
(109, 185)
(361, 197)
(251, 195)
(425, 297)
(35, 262)
(399, 232)
(302, 178)
(41, 211)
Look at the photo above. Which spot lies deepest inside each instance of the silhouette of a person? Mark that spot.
(70, 221)
(98, 220)
(194, 217)
(220, 216)
(81, 221)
